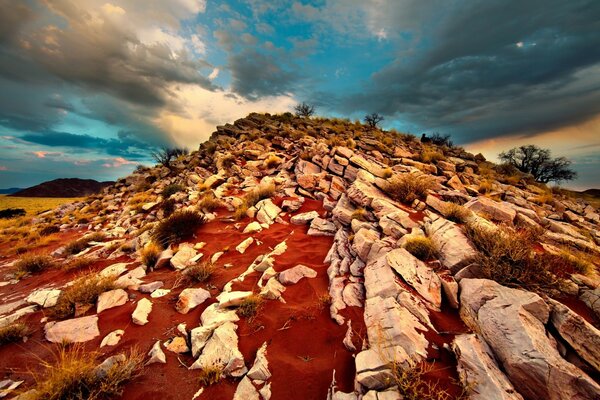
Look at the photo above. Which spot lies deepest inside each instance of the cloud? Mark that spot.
(43, 154)
(3, 168)
(118, 162)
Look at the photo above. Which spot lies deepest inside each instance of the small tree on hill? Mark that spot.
(539, 163)
(165, 155)
(373, 119)
(304, 110)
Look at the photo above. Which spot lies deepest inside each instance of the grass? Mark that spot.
(431, 156)
(84, 291)
(49, 230)
(78, 263)
(150, 254)
(506, 256)
(456, 213)
(406, 188)
(250, 307)
(210, 375)
(209, 202)
(197, 273)
(171, 189)
(35, 205)
(387, 173)
(359, 214)
(13, 333)
(34, 263)
(486, 186)
(413, 384)
(421, 247)
(73, 375)
(261, 191)
(272, 161)
(77, 246)
(180, 225)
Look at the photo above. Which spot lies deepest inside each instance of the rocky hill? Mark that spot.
(64, 187)
(293, 258)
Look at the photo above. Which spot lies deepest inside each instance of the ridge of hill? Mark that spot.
(296, 258)
(63, 187)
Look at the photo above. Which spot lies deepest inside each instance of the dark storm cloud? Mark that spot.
(493, 68)
(12, 18)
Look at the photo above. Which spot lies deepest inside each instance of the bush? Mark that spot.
(180, 225)
(421, 247)
(12, 213)
(74, 375)
(13, 333)
(78, 263)
(168, 207)
(406, 188)
(150, 254)
(413, 384)
(359, 214)
(33, 264)
(486, 186)
(431, 156)
(77, 246)
(171, 189)
(209, 202)
(49, 230)
(198, 273)
(506, 256)
(456, 213)
(272, 161)
(84, 291)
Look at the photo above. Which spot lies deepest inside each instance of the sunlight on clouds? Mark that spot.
(203, 109)
(117, 162)
(111, 9)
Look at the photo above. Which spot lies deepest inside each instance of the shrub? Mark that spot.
(486, 186)
(198, 273)
(12, 213)
(210, 375)
(240, 211)
(180, 225)
(456, 213)
(74, 375)
(84, 291)
(387, 173)
(77, 246)
(78, 263)
(171, 189)
(209, 202)
(33, 264)
(263, 191)
(49, 230)
(421, 247)
(250, 306)
(413, 384)
(150, 254)
(13, 333)
(431, 156)
(168, 207)
(506, 256)
(406, 188)
(359, 214)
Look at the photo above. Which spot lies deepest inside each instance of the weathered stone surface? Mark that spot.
(363, 193)
(164, 258)
(304, 218)
(44, 297)
(380, 280)
(343, 210)
(76, 330)
(156, 354)
(450, 289)
(150, 287)
(252, 227)
(112, 338)
(454, 248)
(293, 275)
(479, 372)
(418, 275)
(512, 323)
(222, 350)
(583, 337)
(141, 312)
(241, 248)
(229, 299)
(592, 299)
(246, 390)
(362, 242)
(182, 259)
(177, 345)
(114, 270)
(498, 211)
(267, 211)
(353, 294)
(260, 368)
(368, 165)
(190, 298)
(110, 299)
(321, 227)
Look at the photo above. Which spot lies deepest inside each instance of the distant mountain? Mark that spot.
(592, 192)
(67, 187)
(10, 190)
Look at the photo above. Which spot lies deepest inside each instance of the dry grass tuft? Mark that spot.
(431, 156)
(209, 202)
(34, 263)
(78, 263)
(250, 307)
(263, 191)
(171, 189)
(272, 161)
(74, 375)
(197, 273)
(179, 225)
(84, 291)
(359, 214)
(150, 254)
(421, 247)
(210, 375)
(486, 186)
(456, 213)
(406, 188)
(13, 333)
(77, 246)
(413, 384)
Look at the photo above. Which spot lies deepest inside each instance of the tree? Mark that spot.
(373, 119)
(165, 155)
(304, 110)
(539, 163)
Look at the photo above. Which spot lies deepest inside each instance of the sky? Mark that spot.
(89, 87)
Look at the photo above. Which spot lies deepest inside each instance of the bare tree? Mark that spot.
(304, 110)
(373, 119)
(539, 163)
(165, 155)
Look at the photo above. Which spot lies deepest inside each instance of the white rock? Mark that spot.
(304, 218)
(190, 298)
(229, 299)
(177, 345)
(241, 248)
(160, 293)
(112, 338)
(246, 390)
(141, 312)
(156, 354)
(150, 287)
(455, 249)
(76, 330)
(260, 368)
(293, 275)
(114, 270)
(44, 297)
(182, 259)
(253, 227)
(110, 299)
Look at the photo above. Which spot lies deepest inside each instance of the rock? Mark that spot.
(293, 275)
(164, 258)
(141, 312)
(363, 193)
(292, 205)
(222, 350)
(348, 343)
(380, 280)
(243, 246)
(367, 165)
(453, 246)
(252, 227)
(498, 211)
(362, 242)
(321, 227)
(102, 370)
(246, 390)
(343, 210)
(160, 293)
(114, 270)
(156, 354)
(44, 297)
(190, 298)
(353, 294)
(273, 290)
(76, 330)
(267, 211)
(450, 289)
(512, 323)
(418, 275)
(372, 367)
(583, 337)
(150, 287)
(304, 218)
(113, 338)
(229, 299)
(110, 299)
(479, 372)
(177, 345)
(181, 259)
(8, 385)
(592, 299)
(260, 368)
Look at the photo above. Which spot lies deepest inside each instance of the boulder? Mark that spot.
(293, 275)
(164, 258)
(267, 212)
(44, 297)
(498, 211)
(362, 242)
(321, 227)
(592, 299)
(221, 350)
(76, 330)
(190, 298)
(343, 210)
(363, 193)
(230, 299)
(141, 312)
(246, 390)
(304, 218)
(182, 259)
(260, 368)
(110, 299)
(453, 246)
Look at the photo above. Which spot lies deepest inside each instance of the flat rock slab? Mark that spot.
(110, 299)
(76, 330)
(44, 298)
(304, 218)
(293, 275)
(230, 299)
(190, 298)
(112, 338)
(497, 211)
(453, 246)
